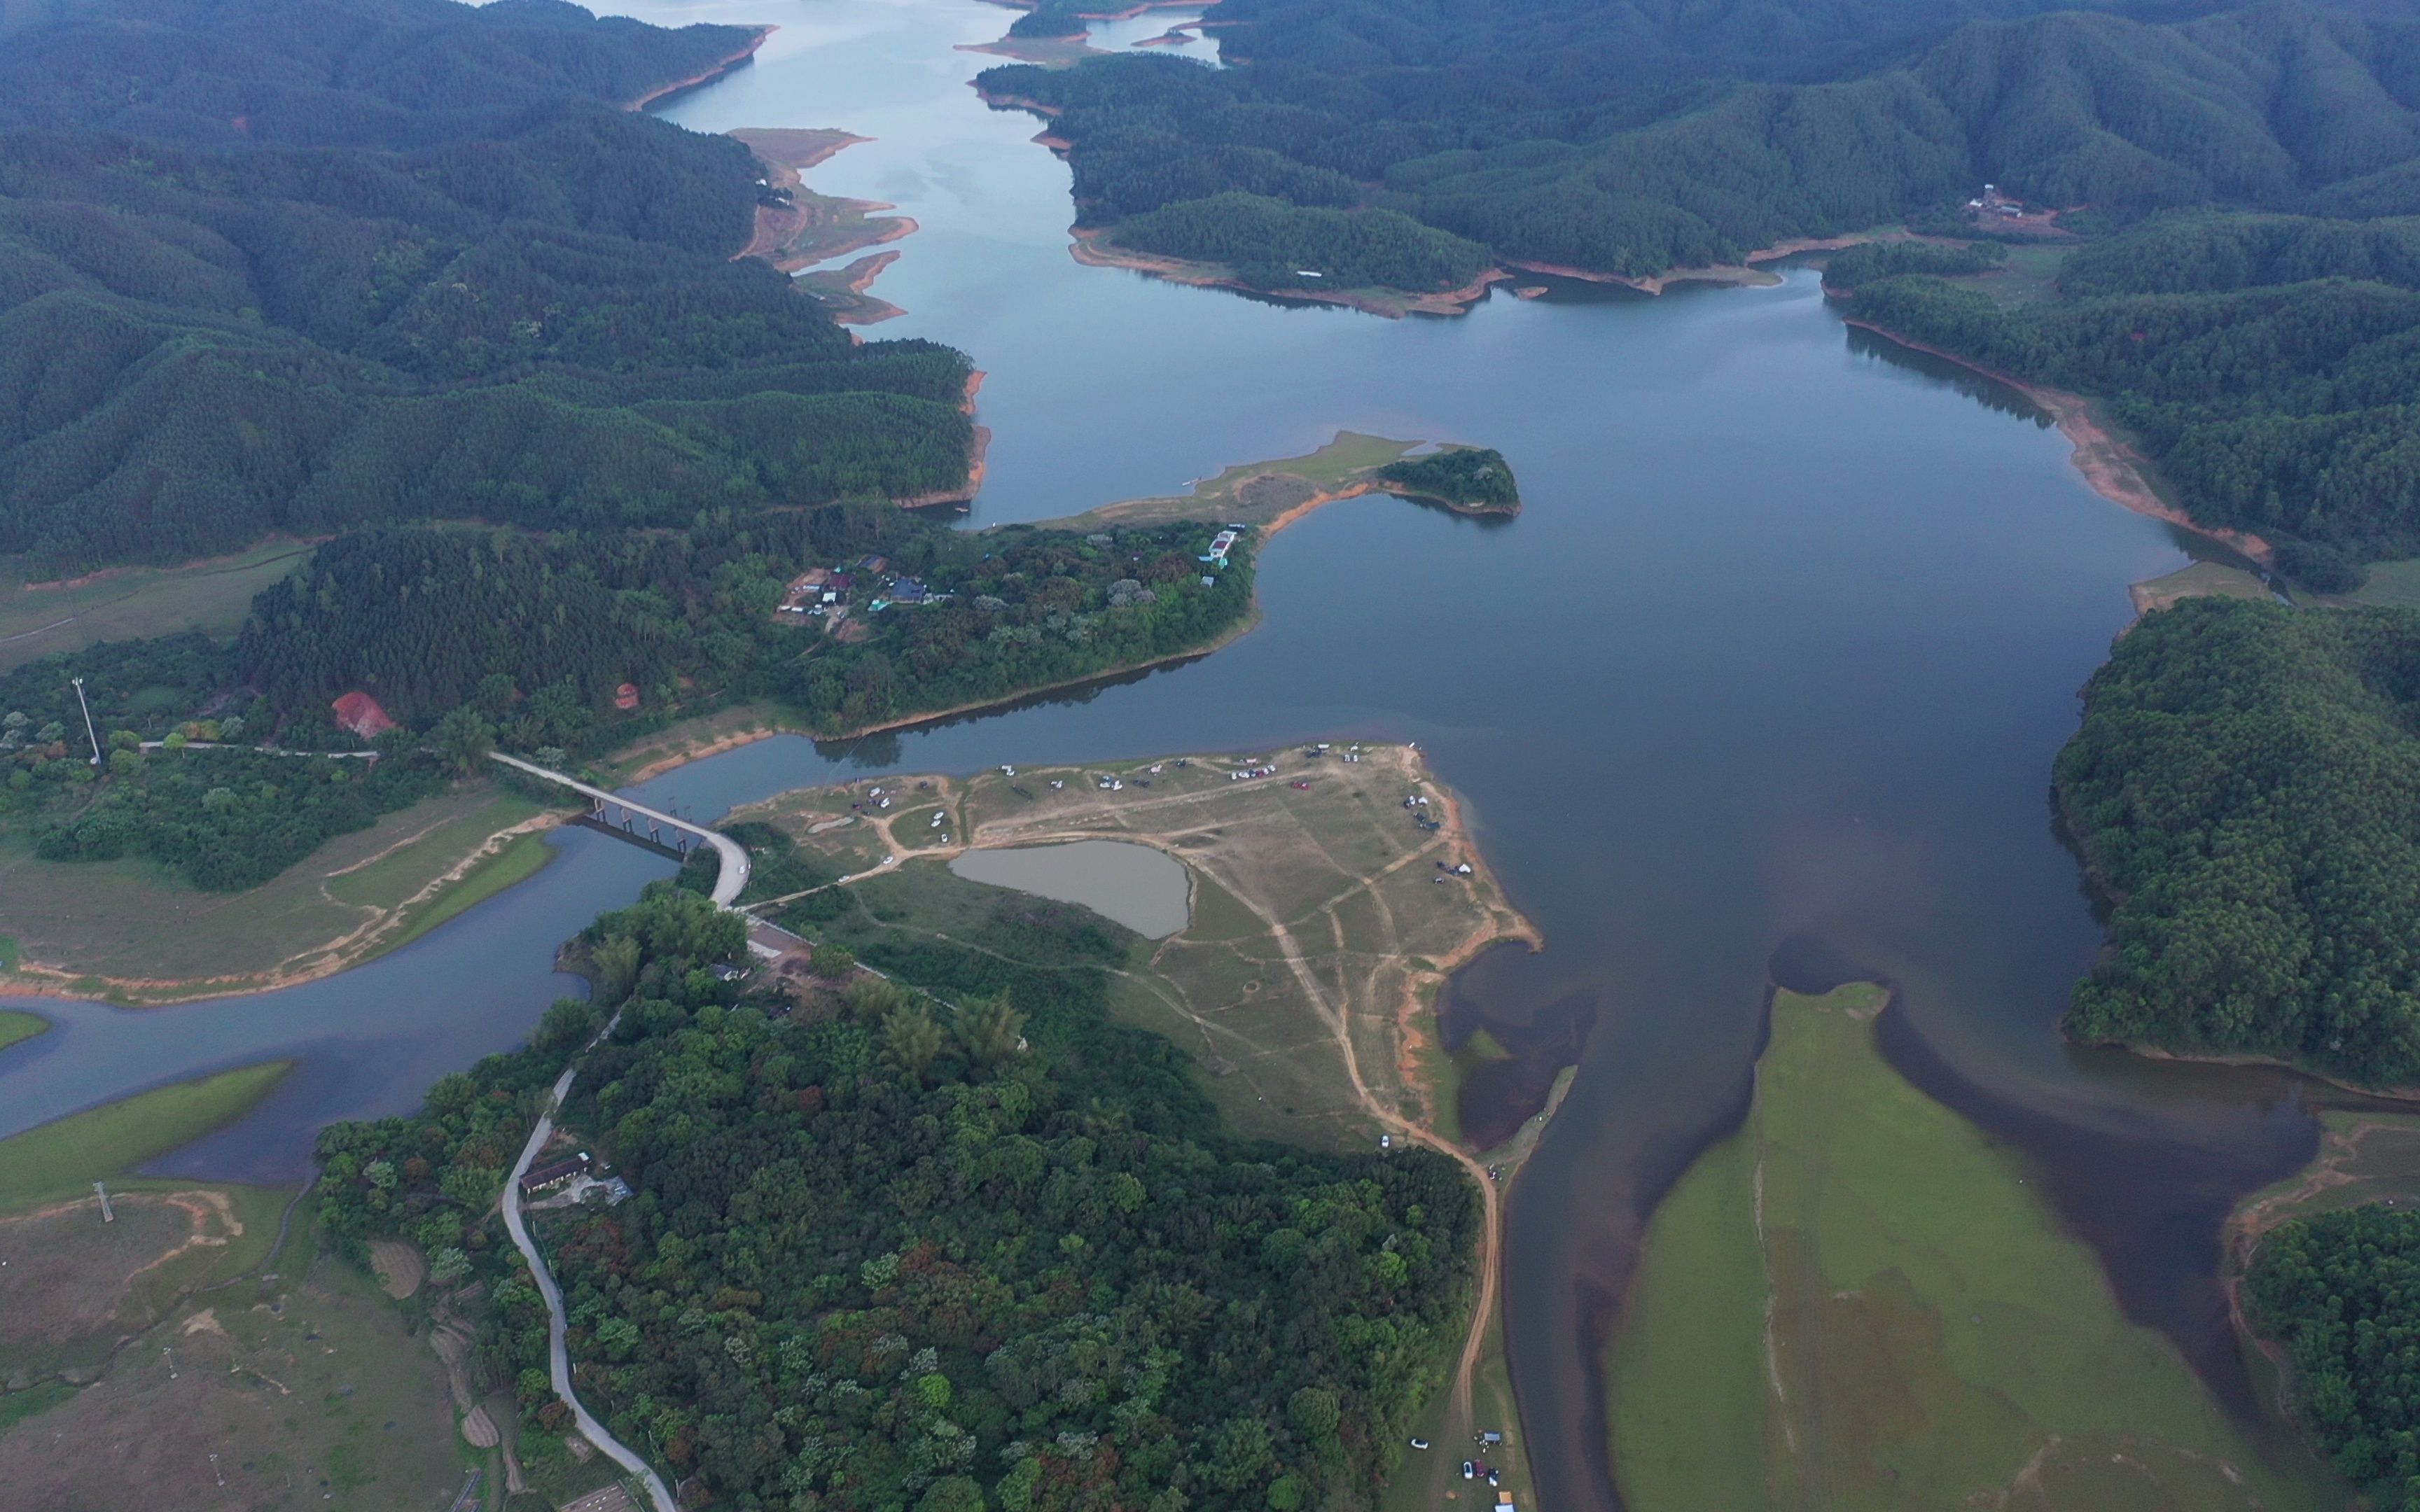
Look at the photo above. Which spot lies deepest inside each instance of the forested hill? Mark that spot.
(2269, 365)
(983, 1249)
(500, 297)
(1605, 138)
(2246, 784)
(392, 74)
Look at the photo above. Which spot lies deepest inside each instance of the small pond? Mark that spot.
(1144, 889)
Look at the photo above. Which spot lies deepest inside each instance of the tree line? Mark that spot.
(2341, 1292)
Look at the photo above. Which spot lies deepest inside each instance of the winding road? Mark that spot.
(558, 1361)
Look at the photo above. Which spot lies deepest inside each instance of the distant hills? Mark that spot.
(1630, 141)
(302, 267)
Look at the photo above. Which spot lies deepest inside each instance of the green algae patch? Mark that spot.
(65, 1157)
(15, 1025)
(1860, 1299)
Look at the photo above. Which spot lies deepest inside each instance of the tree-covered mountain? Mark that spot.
(432, 270)
(962, 1246)
(1626, 140)
(327, 74)
(2287, 410)
(2247, 787)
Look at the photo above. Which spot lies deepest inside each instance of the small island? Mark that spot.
(1469, 480)
(1270, 496)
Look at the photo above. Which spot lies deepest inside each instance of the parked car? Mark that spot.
(1469, 1470)
(1420, 1443)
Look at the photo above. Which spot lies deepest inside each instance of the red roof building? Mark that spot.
(360, 713)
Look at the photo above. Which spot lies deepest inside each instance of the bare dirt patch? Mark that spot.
(399, 1266)
(312, 1399)
(74, 1284)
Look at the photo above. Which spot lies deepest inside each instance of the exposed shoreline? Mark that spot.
(359, 947)
(1744, 271)
(977, 445)
(726, 65)
(2112, 469)
(783, 234)
(1086, 246)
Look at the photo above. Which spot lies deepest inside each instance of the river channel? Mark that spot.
(1781, 648)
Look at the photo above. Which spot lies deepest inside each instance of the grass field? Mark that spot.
(1315, 909)
(125, 602)
(64, 1158)
(1255, 493)
(2393, 583)
(15, 1026)
(75, 1285)
(2202, 580)
(523, 858)
(147, 936)
(1861, 1302)
(2031, 274)
(301, 1389)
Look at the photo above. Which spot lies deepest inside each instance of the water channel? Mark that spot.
(1780, 650)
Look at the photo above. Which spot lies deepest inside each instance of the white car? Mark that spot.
(1469, 1471)
(1420, 1443)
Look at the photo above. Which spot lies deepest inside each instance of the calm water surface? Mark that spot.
(1148, 891)
(1782, 647)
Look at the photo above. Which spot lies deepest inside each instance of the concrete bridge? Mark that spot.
(729, 882)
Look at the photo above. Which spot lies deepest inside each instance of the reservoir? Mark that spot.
(1779, 651)
(1146, 890)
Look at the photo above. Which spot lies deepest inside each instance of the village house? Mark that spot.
(554, 1174)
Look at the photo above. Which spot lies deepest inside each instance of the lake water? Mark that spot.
(1148, 891)
(1781, 649)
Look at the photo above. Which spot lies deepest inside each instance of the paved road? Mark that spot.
(558, 1361)
(728, 884)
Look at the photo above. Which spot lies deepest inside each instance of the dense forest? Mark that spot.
(945, 1249)
(471, 638)
(538, 634)
(2271, 366)
(1472, 478)
(1633, 138)
(1274, 245)
(263, 269)
(2341, 1292)
(2246, 788)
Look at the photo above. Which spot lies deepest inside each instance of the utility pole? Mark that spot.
(87, 719)
(107, 1216)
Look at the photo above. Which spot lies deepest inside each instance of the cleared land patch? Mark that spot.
(74, 1286)
(129, 929)
(301, 1392)
(37, 619)
(1864, 1287)
(1321, 911)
